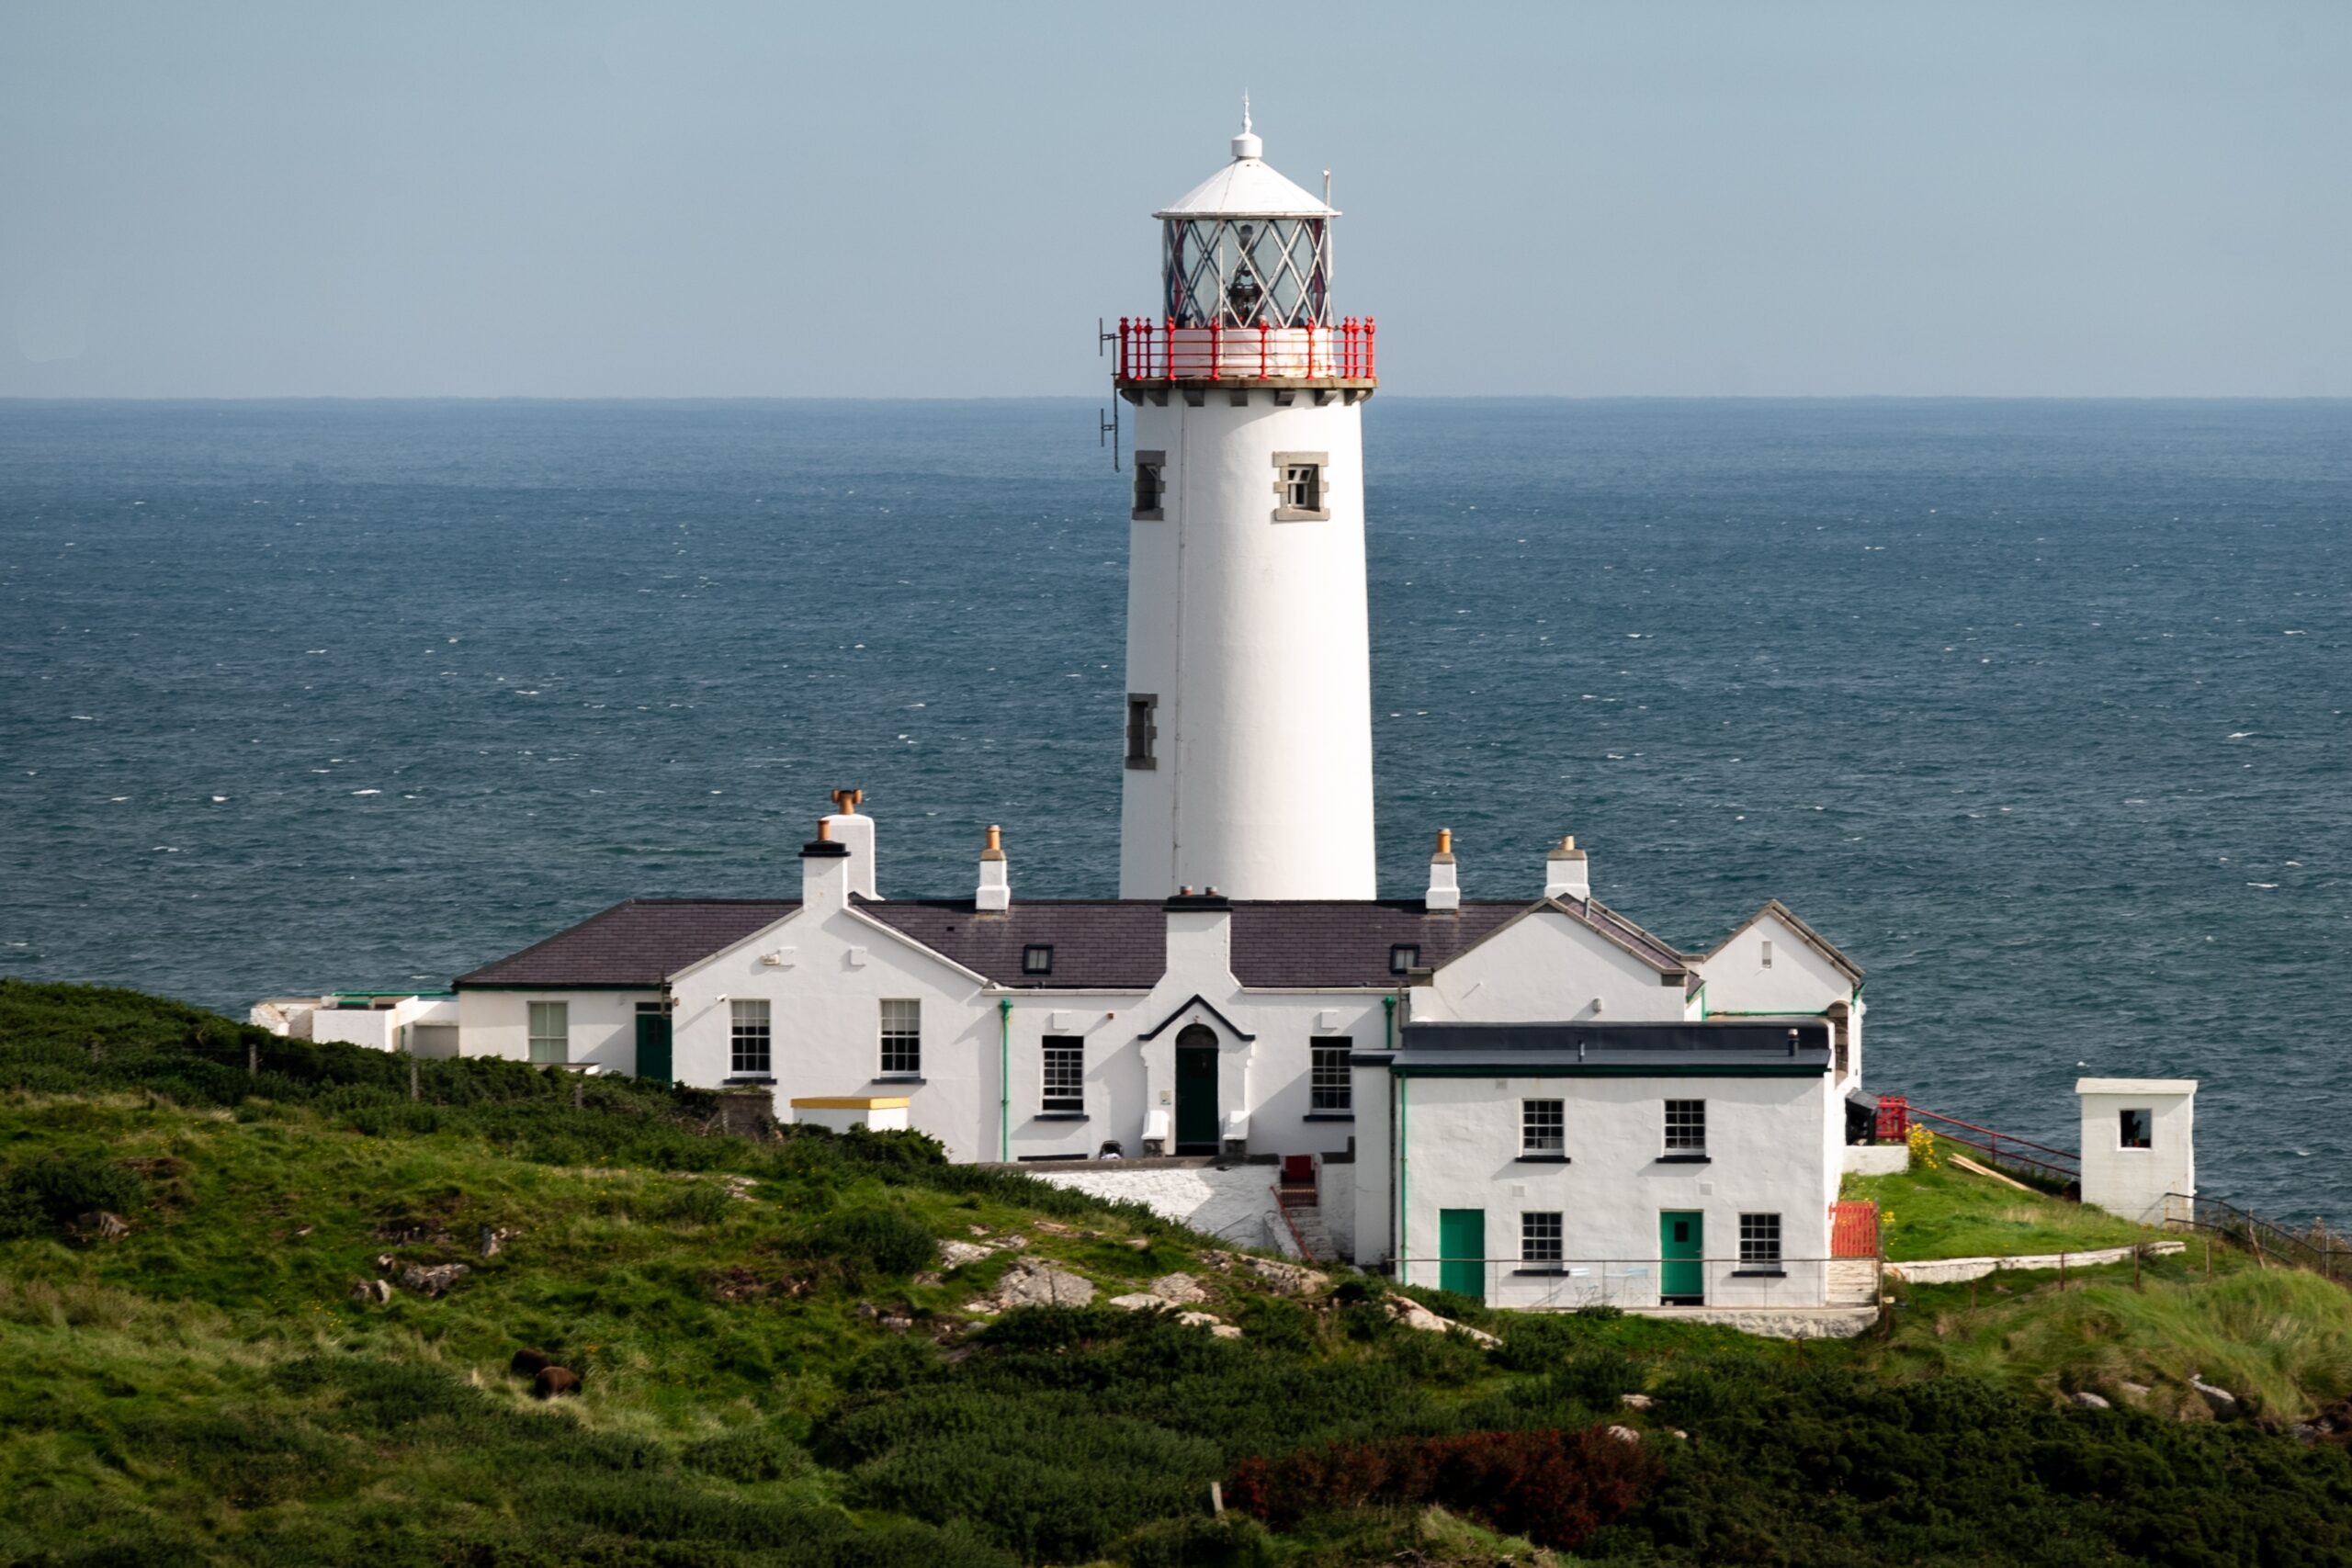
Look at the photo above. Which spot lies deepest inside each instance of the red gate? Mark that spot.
(1853, 1230)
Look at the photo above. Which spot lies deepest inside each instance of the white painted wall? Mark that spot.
(1548, 968)
(1461, 1151)
(1799, 979)
(1253, 636)
(603, 1024)
(2133, 1182)
(376, 1027)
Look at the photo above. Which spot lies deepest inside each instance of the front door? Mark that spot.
(1462, 1252)
(1197, 1120)
(653, 1046)
(1681, 1245)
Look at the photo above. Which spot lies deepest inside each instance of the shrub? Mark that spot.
(57, 1190)
(755, 1454)
(1231, 1539)
(694, 1203)
(877, 1239)
(1553, 1488)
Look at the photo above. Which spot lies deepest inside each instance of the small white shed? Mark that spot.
(2139, 1145)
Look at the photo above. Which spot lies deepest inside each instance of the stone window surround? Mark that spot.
(1158, 463)
(1283, 510)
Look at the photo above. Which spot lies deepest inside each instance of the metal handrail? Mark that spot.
(1566, 1283)
(1151, 350)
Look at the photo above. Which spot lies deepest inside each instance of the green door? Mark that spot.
(653, 1046)
(1681, 1244)
(1196, 1125)
(1462, 1251)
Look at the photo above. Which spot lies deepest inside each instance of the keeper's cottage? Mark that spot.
(1531, 1099)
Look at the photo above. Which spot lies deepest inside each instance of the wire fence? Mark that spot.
(2318, 1249)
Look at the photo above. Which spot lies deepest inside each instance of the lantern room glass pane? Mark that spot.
(1248, 272)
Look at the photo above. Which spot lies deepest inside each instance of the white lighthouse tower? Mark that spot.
(1249, 716)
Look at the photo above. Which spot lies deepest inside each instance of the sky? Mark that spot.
(704, 200)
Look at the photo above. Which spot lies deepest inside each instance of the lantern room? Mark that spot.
(1246, 288)
(1247, 248)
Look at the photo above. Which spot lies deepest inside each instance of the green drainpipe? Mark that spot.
(1389, 1024)
(1005, 1079)
(1404, 1204)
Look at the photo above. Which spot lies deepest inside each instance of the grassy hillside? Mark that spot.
(780, 1366)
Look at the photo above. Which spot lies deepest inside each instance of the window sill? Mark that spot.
(1301, 514)
(900, 1077)
(1062, 1116)
(1546, 1270)
(746, 1078)
(1545, 1159)
(1773, 1273)
(1330, 1116)
(1149, 514)
(1684, 1159)
(1143, 763)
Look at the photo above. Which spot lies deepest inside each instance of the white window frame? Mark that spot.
(1062, 1074)
(1759, 1241)
(1686, 1128)
(2125, 1145)
(901, 1037)
(1535, 1247)
(1330, 1082)
(1542, 1129)
(751, 1038)
(538, 1016)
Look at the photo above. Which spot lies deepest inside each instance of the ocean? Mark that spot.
(2037, 709)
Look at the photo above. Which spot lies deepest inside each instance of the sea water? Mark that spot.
(2039, 710)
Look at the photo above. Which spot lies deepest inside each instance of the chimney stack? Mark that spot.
(824, 870)
(848, 828)
(1566, 873)
(996, 888)
(1444, 892)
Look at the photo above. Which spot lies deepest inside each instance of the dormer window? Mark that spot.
(1404, 958)
(1037, 958)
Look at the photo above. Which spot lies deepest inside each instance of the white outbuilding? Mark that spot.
(2140, 1146)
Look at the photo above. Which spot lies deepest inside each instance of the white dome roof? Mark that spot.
(1247, 188)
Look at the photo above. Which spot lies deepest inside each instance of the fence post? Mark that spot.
(413, 1095)
(579, 1095)
(253, 1059)
(2061, 1270)
(2135, 1265)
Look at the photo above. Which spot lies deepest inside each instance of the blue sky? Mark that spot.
(707, 199)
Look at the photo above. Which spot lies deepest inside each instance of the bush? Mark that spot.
(1231, 1539)
(877, 1239)
(694, 1203)
(755, 1454)
(1553, 1488)
(57, 1190)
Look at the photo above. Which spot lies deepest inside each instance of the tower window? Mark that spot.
(1150, 489)
(1301, 492)
(1037, 958)
(1142, 732)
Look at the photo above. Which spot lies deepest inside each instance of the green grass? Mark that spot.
(206, 1390)
(1951, 1212)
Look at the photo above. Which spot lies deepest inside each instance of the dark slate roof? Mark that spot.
(641, 942)
(1099, 944)
(1285, 946)
(1745, 1042)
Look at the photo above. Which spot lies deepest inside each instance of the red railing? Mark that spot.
(1162, 351)
(1896, 1115)
(1853, 1230)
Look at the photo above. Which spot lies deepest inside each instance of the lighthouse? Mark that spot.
(1248, 708)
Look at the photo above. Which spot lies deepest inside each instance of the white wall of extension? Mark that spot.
(1459, 1138)
(1251, 635)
